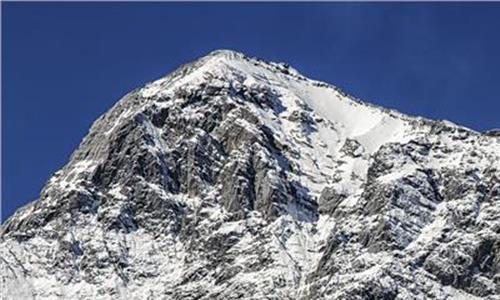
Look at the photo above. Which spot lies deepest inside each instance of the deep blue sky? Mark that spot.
(64, 64)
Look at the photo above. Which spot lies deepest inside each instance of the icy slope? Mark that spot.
(237, 178)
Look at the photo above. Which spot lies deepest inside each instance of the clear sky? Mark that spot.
(64, 64)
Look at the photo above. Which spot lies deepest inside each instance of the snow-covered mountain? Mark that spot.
(236, 178)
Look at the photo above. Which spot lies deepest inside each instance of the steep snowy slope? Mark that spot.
(235, 178)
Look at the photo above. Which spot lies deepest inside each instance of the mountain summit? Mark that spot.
(236, 178)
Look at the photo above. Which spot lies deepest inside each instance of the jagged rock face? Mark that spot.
(234, 178)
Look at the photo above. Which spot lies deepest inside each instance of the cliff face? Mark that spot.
(235, 178)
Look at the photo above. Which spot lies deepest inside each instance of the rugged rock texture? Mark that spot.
(235, 178)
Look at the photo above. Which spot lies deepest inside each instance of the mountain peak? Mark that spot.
(226, 53)
(237, 178)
